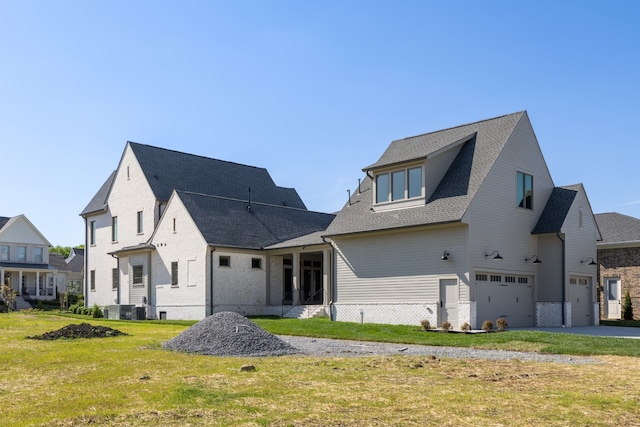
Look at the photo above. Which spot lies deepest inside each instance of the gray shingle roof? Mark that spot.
(3, 221)
(556, 210)
(483, 141)
(229, 222)
(168, 170)
(58, 262)
(618, 228)
(99, 201)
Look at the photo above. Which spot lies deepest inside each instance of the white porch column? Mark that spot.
(295, 279)
(20, 283)
(37, 283)
(326, 285)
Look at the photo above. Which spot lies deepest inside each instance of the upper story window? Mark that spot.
(399, 185)
(139, 228)
(38, 255)
(525, 190)
(22, 254)
(4, 253)
(92, 233)
(114, 229)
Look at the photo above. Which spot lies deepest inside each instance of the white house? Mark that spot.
(24, 259)
(461, 225)
(185, 236)
(465, 225)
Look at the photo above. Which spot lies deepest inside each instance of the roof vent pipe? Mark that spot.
(349, 193)
(359, 186)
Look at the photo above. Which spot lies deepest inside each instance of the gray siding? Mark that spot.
(400, 267)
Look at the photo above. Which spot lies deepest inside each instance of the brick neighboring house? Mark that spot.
(618, 263)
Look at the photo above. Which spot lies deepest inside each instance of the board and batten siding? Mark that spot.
(404, 266)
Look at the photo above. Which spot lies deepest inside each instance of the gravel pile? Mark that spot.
(229, 334)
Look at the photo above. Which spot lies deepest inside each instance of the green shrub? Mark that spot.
(72, 308)
(426, 325)
(487, 326)
(96, 311)
(627, 307)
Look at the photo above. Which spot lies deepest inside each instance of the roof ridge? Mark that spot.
(193, 155)
(460, 126)
(253, 202)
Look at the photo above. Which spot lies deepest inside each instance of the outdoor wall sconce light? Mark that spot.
(491, 254)
(535, 258)
(445, 256)
(591, 263)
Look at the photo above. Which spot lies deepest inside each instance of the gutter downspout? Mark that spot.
(332, 278)
(564, 284)
(118, 289)
(86, 264)
(213, 249)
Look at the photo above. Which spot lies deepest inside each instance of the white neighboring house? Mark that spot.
(466, 225)
(24, 259)
(186, 236)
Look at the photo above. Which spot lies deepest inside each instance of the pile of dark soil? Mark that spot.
(83, 330)
(229, 334)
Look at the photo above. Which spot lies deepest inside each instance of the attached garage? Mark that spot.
(579, 296)
(505, 296)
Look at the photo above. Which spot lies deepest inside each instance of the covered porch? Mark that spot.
(300, 282)
(35, 281)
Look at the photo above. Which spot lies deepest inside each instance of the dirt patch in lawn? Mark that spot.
(82, 330)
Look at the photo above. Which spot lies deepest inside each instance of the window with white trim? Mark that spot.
(174, 273)
(137, 275)
(402, 184)
(4, 253)
(38, 255)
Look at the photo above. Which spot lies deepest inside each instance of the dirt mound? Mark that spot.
(229, 334)
(82, 330)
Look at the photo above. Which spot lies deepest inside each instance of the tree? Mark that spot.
(627, 308)
(60, 250)
(8, 295)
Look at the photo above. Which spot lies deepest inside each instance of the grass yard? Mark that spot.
(129, 380)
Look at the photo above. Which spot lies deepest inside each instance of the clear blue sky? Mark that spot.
(311, 90)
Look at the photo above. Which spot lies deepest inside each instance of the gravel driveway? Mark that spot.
(345, 348)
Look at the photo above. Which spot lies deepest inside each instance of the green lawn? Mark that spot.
(130, 380)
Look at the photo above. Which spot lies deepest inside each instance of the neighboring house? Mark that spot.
(185, 236)
(465, 225)
(24, 259)
(619, 263)
(68, 271)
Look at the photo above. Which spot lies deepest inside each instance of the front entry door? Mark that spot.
(448, 311)
(613, 299)
(311, 282)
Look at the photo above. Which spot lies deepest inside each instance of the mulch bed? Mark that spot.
(82, 330)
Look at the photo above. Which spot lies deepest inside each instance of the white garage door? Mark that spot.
(579, 295)
(505, 296)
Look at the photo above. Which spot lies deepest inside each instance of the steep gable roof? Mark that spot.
(555, 211)
(618, 228)
(58, 262)
(482, 142)
(99, 202)
(168, 170)
(231, 222)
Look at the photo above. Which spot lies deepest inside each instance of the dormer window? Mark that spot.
(400, 184)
